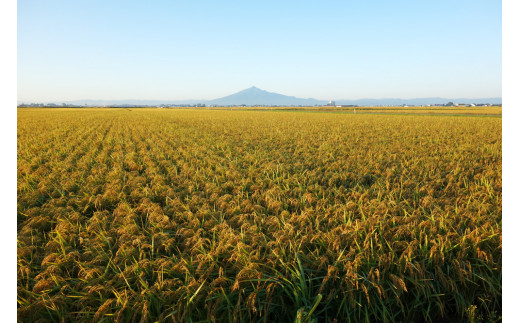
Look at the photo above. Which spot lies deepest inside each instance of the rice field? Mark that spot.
(174, 215)
(491, 111)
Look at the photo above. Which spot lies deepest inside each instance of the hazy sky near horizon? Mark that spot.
(173, 50)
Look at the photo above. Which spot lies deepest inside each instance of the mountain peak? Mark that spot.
(253, 88)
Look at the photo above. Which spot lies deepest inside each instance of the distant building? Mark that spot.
(332, 103)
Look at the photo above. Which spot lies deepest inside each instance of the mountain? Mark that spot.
(256, 96)
(417, 101)
(98, 103)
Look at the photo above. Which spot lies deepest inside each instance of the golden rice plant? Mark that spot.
(206, 215)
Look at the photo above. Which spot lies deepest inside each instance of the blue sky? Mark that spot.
(172, 50)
